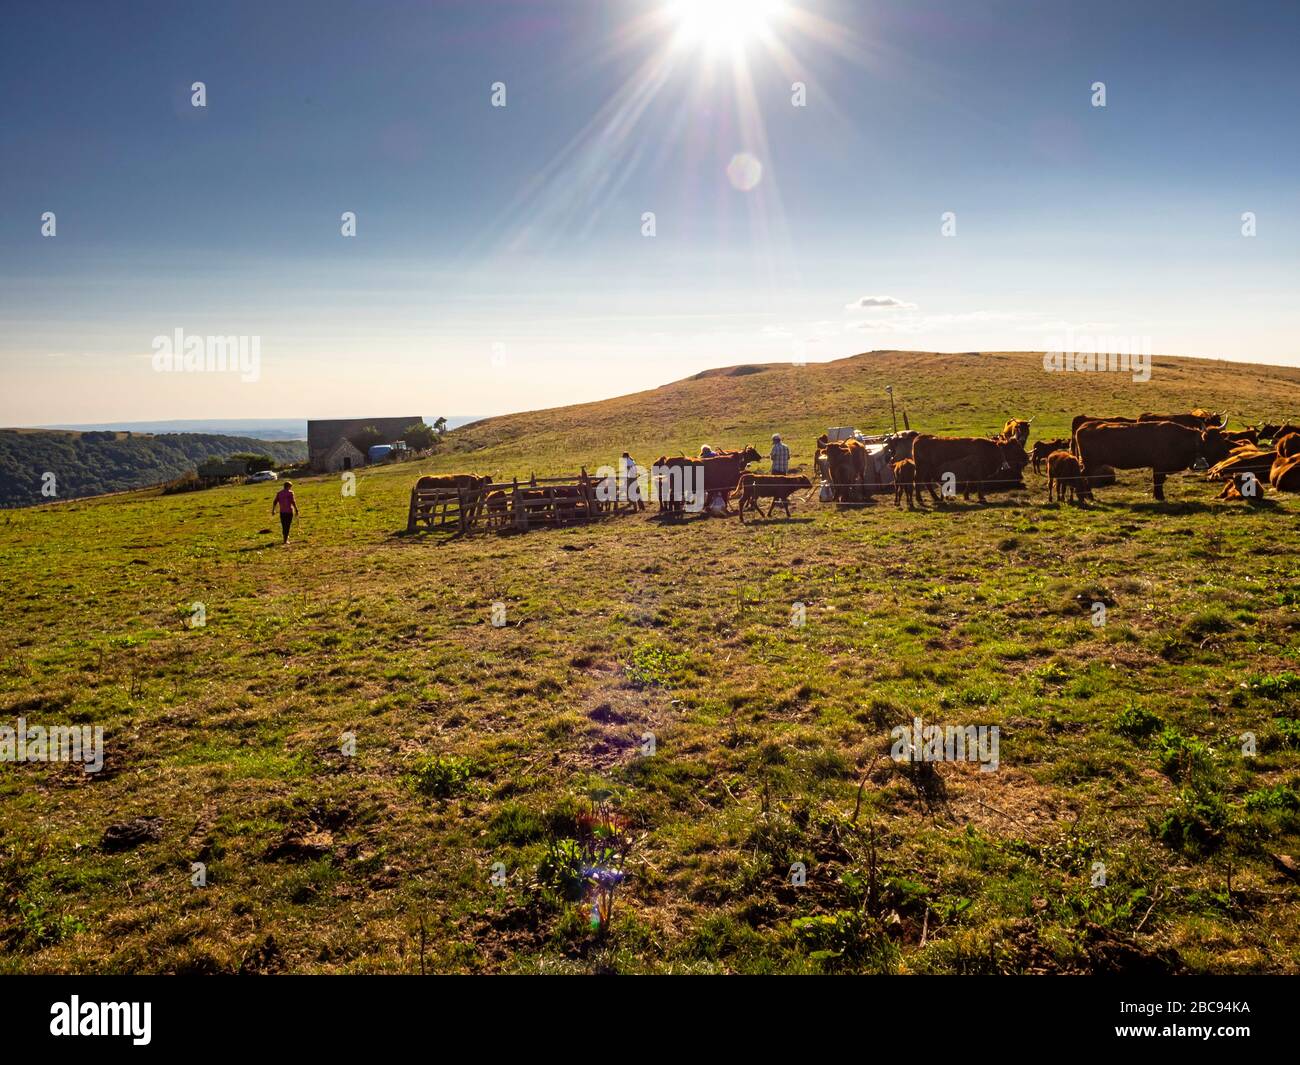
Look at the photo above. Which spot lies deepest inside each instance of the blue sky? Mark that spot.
(499, 261)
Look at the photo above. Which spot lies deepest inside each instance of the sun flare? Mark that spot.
(723, 24)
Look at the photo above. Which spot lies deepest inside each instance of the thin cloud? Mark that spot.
(879, 303)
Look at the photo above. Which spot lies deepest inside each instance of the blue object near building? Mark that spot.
(379, 452)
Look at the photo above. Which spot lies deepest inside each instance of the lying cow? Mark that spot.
(1288, 446)
(1276, 432)
(777, 487)
(1285, 474)
(1242, 471)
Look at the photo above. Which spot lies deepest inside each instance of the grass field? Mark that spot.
(482, 750)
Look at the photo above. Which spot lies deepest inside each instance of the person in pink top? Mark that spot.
(288, 507)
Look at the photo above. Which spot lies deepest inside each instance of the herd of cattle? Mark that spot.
(1087, 460)
(1076, 466)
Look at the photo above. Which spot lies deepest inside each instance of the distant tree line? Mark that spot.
(418, 437)
(87, 464)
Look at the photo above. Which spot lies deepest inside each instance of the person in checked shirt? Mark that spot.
(780, 455)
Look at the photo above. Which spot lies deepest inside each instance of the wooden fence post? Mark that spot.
(517, 506)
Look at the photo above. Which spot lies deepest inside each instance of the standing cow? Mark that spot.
(1163, 447)
(966, 463)
(843, 464)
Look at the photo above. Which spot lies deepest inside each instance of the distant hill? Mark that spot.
(944, 393)
(93, 463)
(257, 428)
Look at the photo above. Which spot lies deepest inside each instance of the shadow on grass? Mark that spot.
(1191, 506)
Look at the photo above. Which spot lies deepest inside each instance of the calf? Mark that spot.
(904, 481)
(496, 505)
(777, 487)
(1043, 448)
(1064, 474)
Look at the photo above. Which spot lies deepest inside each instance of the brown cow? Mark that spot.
(676, 479)
(1065, 474)
(495, 504)
(1043, 448)
(898, 446)
(558, 503)
(1194, 419)
(1163, 447)
(1016, 429)
(844, 465)
(1288, 446)
(450, 483)
(774, 486)
(904, 481)
(749, 452)
(722, 473)
(976, 463)
(1197, 419)
(1101, 477)
(1246, 466)
(1276, 432)
(1081, 420)
(1285, 474)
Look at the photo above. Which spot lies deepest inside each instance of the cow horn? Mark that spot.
(1224, 424)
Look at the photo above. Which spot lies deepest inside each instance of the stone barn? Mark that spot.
(344, 455)
(325, 439)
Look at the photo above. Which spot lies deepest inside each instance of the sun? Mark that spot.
(719, 25)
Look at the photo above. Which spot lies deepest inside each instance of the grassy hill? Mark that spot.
(481, 749)
(943, 394)
(96, 463)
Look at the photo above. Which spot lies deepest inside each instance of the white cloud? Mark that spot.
(878, 303)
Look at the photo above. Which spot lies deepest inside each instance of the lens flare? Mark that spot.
(723, 24)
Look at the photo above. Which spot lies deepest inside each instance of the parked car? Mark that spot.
(263, 475)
